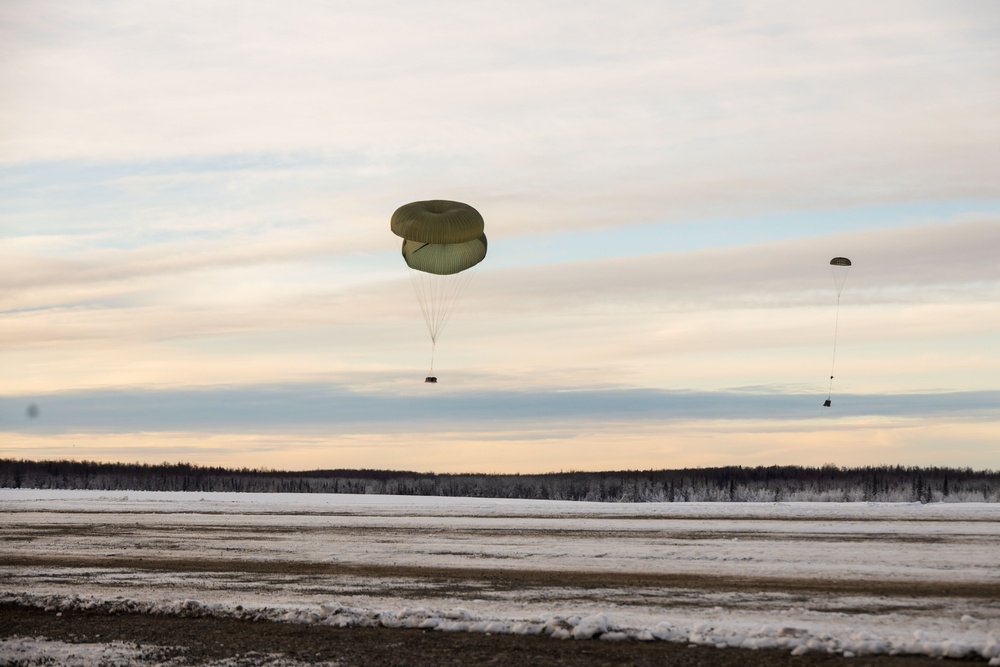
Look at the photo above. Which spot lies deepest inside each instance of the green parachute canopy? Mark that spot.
(437, 221)
(440, 236)
(444, 259)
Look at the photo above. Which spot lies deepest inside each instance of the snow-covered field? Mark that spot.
(849, 578)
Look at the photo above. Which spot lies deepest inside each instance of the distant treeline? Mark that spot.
(827, 483)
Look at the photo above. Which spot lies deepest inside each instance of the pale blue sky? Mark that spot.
(195, 260)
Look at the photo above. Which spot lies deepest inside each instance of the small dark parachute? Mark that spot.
(839, 266)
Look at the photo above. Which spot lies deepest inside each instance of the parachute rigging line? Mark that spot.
(438, 296)
(833, 362)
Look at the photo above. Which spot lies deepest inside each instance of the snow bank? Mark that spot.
(375, 505)
(977, 642)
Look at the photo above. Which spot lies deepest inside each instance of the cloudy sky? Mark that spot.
(196, 263)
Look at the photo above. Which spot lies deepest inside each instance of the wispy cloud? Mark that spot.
(196, 197)
(684, 109)
(309, 407)
(322, 425)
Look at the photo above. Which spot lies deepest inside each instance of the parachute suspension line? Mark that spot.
(425, 304)
(433, 347)
(438, 296)
(833, 362)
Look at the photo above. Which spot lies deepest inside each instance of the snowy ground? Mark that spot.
(849, 578)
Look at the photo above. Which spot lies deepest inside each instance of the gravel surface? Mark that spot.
(237, 643)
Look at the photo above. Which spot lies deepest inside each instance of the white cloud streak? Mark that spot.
(667, 105)
(196, 194)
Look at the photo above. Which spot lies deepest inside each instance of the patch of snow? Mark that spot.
(30, 651)
(42, 652)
